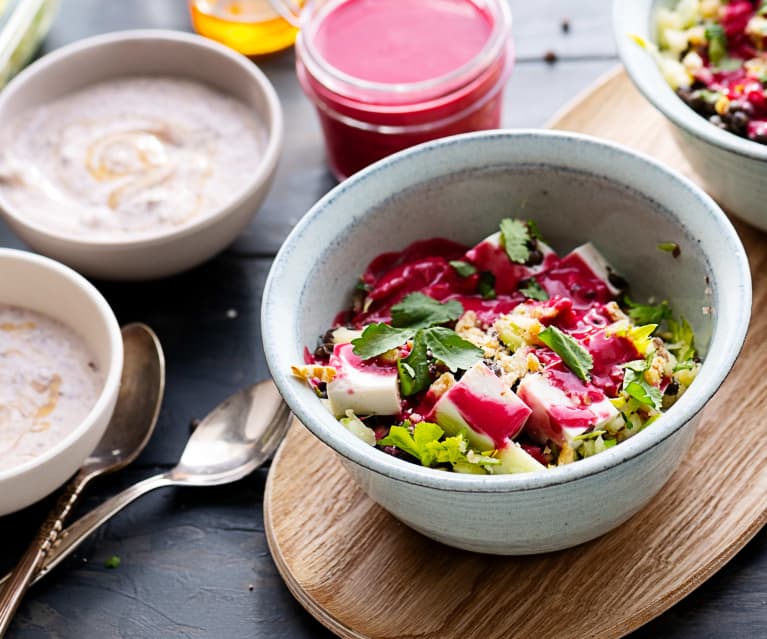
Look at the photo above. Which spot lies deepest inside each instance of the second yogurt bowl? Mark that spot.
(136, 159)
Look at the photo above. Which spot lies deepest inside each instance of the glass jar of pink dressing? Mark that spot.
(387, 74)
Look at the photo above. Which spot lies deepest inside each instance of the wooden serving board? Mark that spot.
(365, 575)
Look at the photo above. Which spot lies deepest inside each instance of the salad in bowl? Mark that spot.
(499, 358)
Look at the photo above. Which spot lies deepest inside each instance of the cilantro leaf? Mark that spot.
(574, 356)
(486, 285)
(515, 237)
(376, 339)
(451, 349)
(717, 42)
(464, 269)
(647, 313)
(683, 339)
(414, 375)
(421, 311)
(533, 290)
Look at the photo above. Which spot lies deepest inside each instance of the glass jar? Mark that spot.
(385, 75)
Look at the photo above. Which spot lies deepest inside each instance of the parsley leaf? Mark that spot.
(533, 290)
(486, 285)
(717, 42)
(376, 339)
(421, 311)
(414, 375)
(451, 349)
(574, 356)
(464, 269)
(515, 237)
(647, 313)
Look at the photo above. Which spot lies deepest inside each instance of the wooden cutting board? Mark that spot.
(365, 575)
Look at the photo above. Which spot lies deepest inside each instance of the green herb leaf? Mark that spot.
(647, 313)
(515, 237)
(451, 349)
(421, 311)
(112, 562)
(425, 445)
(376, 339)
(486, 285)
(534, 230)
(400, 437)
(464, 269)
(574, 356)
(414, 375)
(717, 42)
(533, 290)
(682, 338)
(670, 247)
(635, 385)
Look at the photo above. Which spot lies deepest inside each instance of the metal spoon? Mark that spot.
(230, 443)
(133, 421)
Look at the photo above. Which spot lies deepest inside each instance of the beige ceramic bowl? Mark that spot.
(151, 52)
(45, 286)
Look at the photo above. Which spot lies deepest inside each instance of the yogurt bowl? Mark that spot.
(74, 328)
(137, 154)
(576, 189)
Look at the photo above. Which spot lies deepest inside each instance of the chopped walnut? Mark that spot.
(312, 371)
(614, 312)
(566, 455)
(468, 327)
(441, 385)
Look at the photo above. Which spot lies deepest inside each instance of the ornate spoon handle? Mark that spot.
(34, 556)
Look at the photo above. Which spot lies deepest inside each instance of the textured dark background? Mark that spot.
(195, 562)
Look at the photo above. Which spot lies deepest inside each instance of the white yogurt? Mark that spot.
(49, 382)
(130, 156)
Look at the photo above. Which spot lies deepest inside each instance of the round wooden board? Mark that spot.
(363, 574)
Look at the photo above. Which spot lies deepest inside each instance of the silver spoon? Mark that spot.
(230, 443)
(138, 404)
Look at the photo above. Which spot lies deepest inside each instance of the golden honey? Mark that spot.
(252, 27)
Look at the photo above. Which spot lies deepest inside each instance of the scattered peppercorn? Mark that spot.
(565, 25)
(550, 57)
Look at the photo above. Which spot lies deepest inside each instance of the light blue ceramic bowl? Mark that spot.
(577, 189)
(733, 169)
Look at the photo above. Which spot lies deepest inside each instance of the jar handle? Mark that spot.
(288, 9)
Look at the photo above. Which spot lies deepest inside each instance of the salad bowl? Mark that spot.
(576, 189)
(733, 169)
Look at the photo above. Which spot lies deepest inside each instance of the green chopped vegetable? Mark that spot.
(414, 375)
(635, 385)
(683, 339)
(357, 427)
(670, 247)
(717, 42)
(112, 562)
(574, 356)
(464, 269)
(515, 238)
(534, 291)
(486, 285)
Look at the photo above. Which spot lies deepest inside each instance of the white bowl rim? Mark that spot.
(657, 91)
(726, 341)
(260, 172)
(113, 371)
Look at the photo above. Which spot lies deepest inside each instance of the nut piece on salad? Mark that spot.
(500, 358)
(713, 53)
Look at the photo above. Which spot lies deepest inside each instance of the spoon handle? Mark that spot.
(76, 533)
(34, 556)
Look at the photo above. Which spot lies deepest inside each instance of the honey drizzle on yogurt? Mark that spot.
(48, 383)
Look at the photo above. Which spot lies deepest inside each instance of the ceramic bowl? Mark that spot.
(577, 189)
(169, 53)
(40, 284)
(733, 169)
